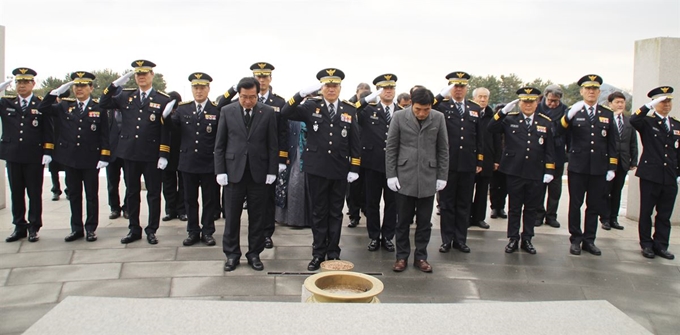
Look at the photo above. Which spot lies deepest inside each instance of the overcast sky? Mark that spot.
(420, 41)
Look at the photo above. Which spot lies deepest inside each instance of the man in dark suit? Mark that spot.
(527, 163)
(82, 148)
(592, 162)
(374, 120)
(660, 135)
(552, 107)
(173, 184)
(26, 146)
(331, 159)
(627, 147)
(113, 170)
(466, 145)
(144, 144)
(195, 122)
(492, 157)
(246, 156)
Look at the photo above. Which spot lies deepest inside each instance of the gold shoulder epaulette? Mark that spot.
(349, 103)
(214, 103)
(446, 99)
(39, 97)
(607, 108)
(184, 103)
(315, 98)
(69, 99)
(9, 96)
(372, 103)
(276, 95)
(129, 89)
(163, 94)
(675, 118)
(545, 117)
(513, 113)
(96, 100)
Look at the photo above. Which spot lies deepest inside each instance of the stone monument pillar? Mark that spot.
(3, 179)
(656, 63)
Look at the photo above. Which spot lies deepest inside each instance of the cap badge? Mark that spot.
(80, 74)
(140, 62)
(592, 78)
(23, 71)
(198, 75)
(664, 89)
(388, 76)
(330, 72)
(460, 74)
(261, 65)
(528, 90)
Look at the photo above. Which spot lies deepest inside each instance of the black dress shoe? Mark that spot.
(125, 214)
(151, 238)
(55, 196)
(482, 224)
(648, 253)
(169, 217)
(664, 253)
(591, 248)
(314, 264)
(503, 214)
(387, 245)
(538, 223)
(353, 223)
(90, 236)
(445, 247)
(231, 264)
(374, 245)
(494, 214)
(528, 247)
(74, 235)
(616, 225)
(575, 249)
(552, 223)
(114, 215)
(208, 240)
(16, 235)
(256, 264)
(512, 246)
(268, 243)
(130, 237)
(606, 226)
(191, 239)
(183, 217)
(460, 246)
(33, 236)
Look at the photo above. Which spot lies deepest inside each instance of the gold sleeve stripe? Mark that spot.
(291, 101)
(496, 116)
(226, 94)
(357, 104)
(564, 122)
(356, 161)
(49, 146)
(637, 112)
(106, 153)
(435, 101)
(480, 157)
(283, 154)
(613, 161)
(106, 90)
(165, 148)
(550, 166)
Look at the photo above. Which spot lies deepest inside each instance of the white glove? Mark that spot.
(222, 179)
(510, 106)
(311, 89)
(441, 184)
(270, 179)
(5, 84)
(352, 176)
(61, 89)
(282, 167)
(678, 180)
(46, 159)
(610, 175)
(574, 109)
(123, 79)
(547, 178)
(102, 164)
(162, 163)
(168, 109)
(373, 97)
(446, 91)
(393, 184)
(652, 103)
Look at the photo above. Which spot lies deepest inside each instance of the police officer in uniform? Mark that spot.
(26, 145)
(592, 161)
(374, 120)
(144, 143)
(196, 122)
(527, 161)
(82, 148)
(331, 158)
(466, 141)
(658, 170)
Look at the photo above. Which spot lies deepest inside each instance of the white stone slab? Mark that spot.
(168, 316)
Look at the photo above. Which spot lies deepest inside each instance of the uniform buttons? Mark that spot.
(665, 146)
(329, 151)
(196, 141)
(21, 139)
(331, 125)
(23, 117)
(78, 128)
(592, 142)
(528, 149)
(529, 135)
(21, 124)
(461, 137)
(21, 131)
(592, 134)
(195, 150)
(136, 136)
(139, 119)
(140, 110)
(461, 147)
(664, 164)
(77, 144)
(137, 127)
(78, 136)
(592, 126)
(198, 124)
(196, 133)
(81, 120)
(592, 150)
(528, 142)
(462, 128)
(385, 133)
(331, 134)
(526, 157)
(665, 155)
(330, 142)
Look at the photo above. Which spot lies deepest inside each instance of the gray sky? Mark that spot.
(419, 41)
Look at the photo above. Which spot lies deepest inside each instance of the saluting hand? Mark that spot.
(168, 108)
(123, 79)
(446, 91)
(574, 109)
(5, 84)
(61, 89)
(510, 106)
(655, 102)
(373, 97)
(311, 89)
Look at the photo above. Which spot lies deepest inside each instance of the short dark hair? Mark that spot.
(364, 94)
(422, 96)
(175, 96)
(616, 95)
(248, 83)
(414, 88)
(363, 86)
(403, 96)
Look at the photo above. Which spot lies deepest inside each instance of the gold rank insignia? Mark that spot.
(330, 72)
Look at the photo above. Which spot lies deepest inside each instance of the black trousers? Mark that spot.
(112, 184)
(54, 169)
(579, 185)
(270, 211)
(152, 178)
(612, 196)
(234, 195)
(356, 196)
(76, 179)
(173, 193)
(498, 191)
(662, 197)
(548, 209)
(211, 204)
(478, 211)
(422, 209)
(326, 197)
(26, 179)
(523, 198)
(376, 186)
(455, 201)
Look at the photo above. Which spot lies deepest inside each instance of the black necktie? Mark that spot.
(143, 97)
(261, 99)
(528, 122)
(665, 125)
(80, 107)
(331, 110)
(620, 125)
(247, 118)
(459, 106)
(387, 114)
(591, 114)
(199, 110)
(24, 105)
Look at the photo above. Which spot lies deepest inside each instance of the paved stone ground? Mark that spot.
(34, 277)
